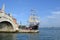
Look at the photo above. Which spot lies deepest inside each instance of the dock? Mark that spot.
(20, 31)
(28, 31)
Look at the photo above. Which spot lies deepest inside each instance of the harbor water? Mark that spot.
(44, 34)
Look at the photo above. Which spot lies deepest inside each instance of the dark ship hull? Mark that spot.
(34, 27)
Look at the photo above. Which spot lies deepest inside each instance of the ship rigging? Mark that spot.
(33, 20)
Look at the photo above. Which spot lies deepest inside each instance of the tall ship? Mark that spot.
(33, 20)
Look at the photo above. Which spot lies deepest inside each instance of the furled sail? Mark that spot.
(33, 19)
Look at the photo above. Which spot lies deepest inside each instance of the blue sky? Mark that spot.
(47, 10)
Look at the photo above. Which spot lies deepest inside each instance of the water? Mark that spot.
(44, 34)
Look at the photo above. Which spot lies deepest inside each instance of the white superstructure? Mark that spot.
(8, 19)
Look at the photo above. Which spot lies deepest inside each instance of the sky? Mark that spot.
(48, 11)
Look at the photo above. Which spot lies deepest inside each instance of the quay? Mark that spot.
(20, 31)
(28, 31)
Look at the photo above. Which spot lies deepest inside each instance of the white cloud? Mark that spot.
(56, 12)
(52, 20)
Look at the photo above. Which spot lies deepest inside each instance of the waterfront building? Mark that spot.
(7, 21)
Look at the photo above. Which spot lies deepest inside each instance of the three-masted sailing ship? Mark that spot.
(33, 21)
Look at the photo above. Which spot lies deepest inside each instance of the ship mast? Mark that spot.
(33, 20)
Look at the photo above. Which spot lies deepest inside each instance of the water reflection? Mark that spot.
(28, 36)
(7, 36)
(34, 36)
(19, 36)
